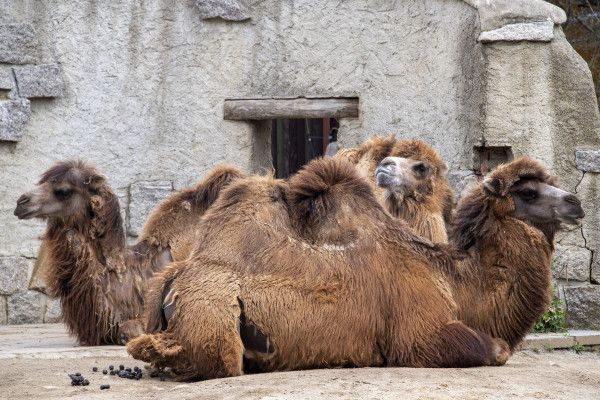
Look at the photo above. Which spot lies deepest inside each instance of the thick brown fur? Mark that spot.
(98, 279)
(430, 209)
(503, 286)
(317, 267)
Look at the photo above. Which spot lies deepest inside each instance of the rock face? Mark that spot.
(530, 31)
(14, 274)
(18, 43)
(144, 196)
(229, 10)
(583, 306)
(588, 160)
(14, 115)
(26, 307)
(572, 263)
(39, 80)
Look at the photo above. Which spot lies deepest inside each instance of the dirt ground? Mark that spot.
(34, 365)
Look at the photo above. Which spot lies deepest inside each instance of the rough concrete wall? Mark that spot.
(144, 84)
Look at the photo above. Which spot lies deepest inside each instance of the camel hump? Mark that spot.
(208, 190)
(318, 192)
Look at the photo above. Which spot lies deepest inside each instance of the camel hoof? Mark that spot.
(501, 352)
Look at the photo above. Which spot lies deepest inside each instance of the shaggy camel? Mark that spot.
(306, 274)
(99, 281)
(421, 196)
(505, 226)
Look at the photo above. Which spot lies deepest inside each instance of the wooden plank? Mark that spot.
(257, 109)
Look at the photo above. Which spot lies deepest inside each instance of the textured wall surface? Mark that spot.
(140, 88)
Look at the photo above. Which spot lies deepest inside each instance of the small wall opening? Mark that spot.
(296, 141)
(489, 157)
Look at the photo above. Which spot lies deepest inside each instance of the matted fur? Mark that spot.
(99, 281)
(431, 208)
(274, 255)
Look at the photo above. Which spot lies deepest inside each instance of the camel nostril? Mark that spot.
(23, 200)
(572, 199)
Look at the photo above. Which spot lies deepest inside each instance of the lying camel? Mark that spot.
(422, 197)
(505, 227)
(99, 280)
(309, 274)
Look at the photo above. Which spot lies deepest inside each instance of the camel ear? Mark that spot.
(494, 186)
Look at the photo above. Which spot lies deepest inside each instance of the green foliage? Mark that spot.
(548, 348)
(578, 348)
(553, 320)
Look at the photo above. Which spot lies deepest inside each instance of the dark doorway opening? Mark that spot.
(294, 142)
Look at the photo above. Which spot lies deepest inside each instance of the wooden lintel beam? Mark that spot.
(256, 109)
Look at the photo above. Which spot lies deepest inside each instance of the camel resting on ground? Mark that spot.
(419, 194)
(99, 280)
(309, 274)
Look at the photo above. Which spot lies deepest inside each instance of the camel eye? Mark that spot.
(420, 168)
(63, 194)
(528, 195)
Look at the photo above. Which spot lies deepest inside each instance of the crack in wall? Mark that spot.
(591, 279)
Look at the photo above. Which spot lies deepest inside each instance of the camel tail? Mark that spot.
(161, 298)
(208, 190)
(320, 187)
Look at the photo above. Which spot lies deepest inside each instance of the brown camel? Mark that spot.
(99, 281)
(420, 193)
(505, 226)
(306, 274)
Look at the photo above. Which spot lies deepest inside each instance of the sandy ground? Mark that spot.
(34, 363)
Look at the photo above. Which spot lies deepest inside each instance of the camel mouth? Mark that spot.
(24, 213)
(572, 221)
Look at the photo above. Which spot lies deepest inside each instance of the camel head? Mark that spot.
(524, 190)
(405, 177)
(69, 191)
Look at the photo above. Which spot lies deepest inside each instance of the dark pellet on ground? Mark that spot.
(121, 367)
(112, 372)
(128, 369)
(162, 378)
(95, 369)
(102, 387)
(111, 367)
(85, 382)
(153, 374)
(104, 371)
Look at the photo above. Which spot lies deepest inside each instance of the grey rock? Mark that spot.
(6, 78)
(18, 43)
(14, 273)
(144, 196)
(583, 306)
(588, 160)
(14, 115)
(43, 80)
(572, 263)
(497, 13)
(460, 180)
(26, 307)
(53, 311)
(3, 311)
(229, 10)
(530, 31)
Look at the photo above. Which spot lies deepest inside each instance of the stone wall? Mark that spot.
(137, 88)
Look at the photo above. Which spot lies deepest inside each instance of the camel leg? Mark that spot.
(459, 346)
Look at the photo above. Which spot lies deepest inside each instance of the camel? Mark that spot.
(422, 196)
(307, 274)
(99, 280)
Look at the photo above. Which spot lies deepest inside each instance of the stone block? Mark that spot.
(43, 80)
(6, 78)
(143, 197)
(529, 31)
(583, 306)
(14, 274)
(572, 263)
(3, 313)
(588, 160)
(229, 10)
(18, 43)
(14, 115)
(53, 312)
(26, 307)
(460, 180)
